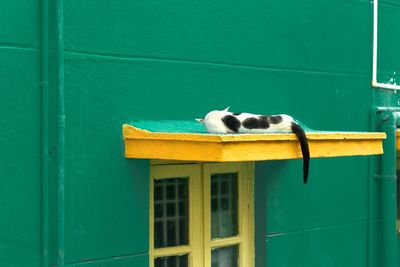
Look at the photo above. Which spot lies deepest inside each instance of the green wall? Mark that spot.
(152, 59)
(20, 104)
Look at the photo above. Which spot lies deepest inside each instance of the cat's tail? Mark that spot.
(301, 135)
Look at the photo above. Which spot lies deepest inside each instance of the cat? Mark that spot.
(226, 122)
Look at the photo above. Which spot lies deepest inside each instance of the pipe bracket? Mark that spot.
(61, 121)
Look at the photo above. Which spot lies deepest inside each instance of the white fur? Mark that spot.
(213, 121)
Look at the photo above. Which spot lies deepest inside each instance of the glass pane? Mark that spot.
(224, 205)
(225, 257)
(172, 261)
(171, 213)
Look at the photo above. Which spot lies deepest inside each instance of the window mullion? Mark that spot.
(196, 219)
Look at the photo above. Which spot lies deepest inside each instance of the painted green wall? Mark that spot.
(20, 165)
(152, 59)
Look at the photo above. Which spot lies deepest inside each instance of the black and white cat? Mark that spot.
(226, 122)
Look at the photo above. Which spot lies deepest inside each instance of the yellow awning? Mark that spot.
(182, 140)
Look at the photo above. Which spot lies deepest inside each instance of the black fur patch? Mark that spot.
(237, 113)
(256, 123)
(264, 117)
(275, 119)
(231, 122)
(264, 122)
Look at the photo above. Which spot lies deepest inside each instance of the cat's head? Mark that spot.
(213, 120)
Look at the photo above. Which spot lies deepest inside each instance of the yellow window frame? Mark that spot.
(199, 182)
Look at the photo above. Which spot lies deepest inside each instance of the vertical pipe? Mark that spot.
(388, 180)
(44, 132)
(375, 43)
(371, 175)
(60, 133)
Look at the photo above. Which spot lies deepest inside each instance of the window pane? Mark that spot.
(171, 214)
(224, 205)
(398, 196)
(225, 257)
(172, 261)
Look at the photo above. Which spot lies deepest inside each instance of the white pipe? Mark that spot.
(375, 83)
